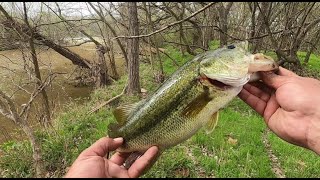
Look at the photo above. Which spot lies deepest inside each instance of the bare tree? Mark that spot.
(313, 45)
(290, 42)
(99, 68)
(111, 29)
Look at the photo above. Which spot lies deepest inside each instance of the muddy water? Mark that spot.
(60, 93)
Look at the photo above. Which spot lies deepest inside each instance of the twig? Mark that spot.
(84, 42)
(174, 61)
(205, 49)
(107, 102)
(47, 24)
(170, 25)
(46, 83)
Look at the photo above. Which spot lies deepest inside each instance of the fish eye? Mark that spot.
(231, 46)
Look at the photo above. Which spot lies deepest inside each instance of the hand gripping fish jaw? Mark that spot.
(233, 67)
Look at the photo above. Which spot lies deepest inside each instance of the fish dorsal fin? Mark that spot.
(121, 113)
(211, 124)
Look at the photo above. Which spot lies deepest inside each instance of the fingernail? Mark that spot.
(119, 139)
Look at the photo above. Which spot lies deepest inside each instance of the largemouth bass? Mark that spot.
(189, 100)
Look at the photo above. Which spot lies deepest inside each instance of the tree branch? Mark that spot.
(170, 25)
(4, 111)
(95, 109)
(12, 112)
(46, 82)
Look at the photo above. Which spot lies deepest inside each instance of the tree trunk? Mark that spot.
(157, 69)
(252, 32)
(223, 32)
(101, 71)
(148, 30)
(47, 116)
(133, 50)
(196, 35)
(110, 54)
(312, 47)
(208, 34)
(45, 99)
(36, 149)
(182, 48)
(261, 29)
(223, 22)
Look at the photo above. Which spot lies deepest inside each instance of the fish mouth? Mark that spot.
(206, 81)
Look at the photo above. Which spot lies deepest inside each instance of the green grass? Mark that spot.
(236, 143)
(168, 65)
(296, 161)
(234, 149)
(214, 44)
(314, 60)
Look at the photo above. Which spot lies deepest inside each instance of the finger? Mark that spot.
(285, 72)
(254, 102)
(119, 158)
(262, 86)
(102, 146)
(271, 108)
(140, 164)
(116, 171)
(273, 80)
(257, 92)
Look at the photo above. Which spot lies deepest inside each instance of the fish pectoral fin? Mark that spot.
(197, 105)
(121, 113)
(211, 124)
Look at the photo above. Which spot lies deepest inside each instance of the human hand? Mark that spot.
(91, 163)
(290, 105)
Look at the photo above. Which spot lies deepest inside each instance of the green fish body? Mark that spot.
(189, 100)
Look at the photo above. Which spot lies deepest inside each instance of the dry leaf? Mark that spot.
(232, 141)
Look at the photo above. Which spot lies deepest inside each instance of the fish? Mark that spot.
(190, 99)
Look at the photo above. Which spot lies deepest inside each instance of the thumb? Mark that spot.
(103, 146)
(286, 72)
(273, 80)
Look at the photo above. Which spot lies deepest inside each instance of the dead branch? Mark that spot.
(100, 14)
(170, 25)
(107, 102)
(3, 109)
(69, 20)
(205, 49)
(78, 44)
(11, 111)
(8, 69)
(46, 82)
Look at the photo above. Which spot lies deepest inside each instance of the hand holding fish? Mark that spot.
(187, 101)
(290, 106)
(91, 162)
